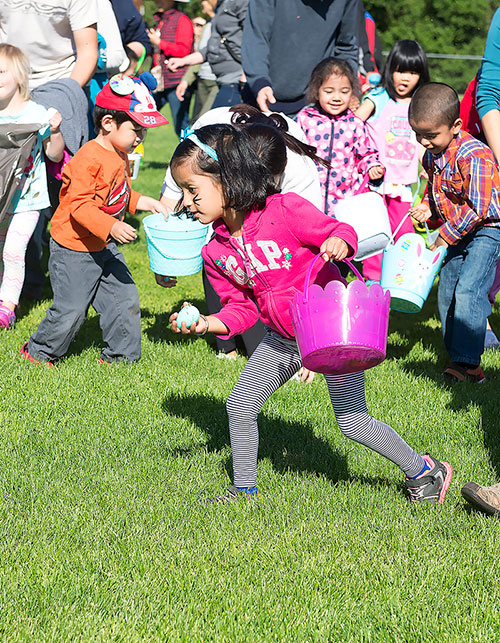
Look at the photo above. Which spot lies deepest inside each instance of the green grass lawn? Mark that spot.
(102, 537)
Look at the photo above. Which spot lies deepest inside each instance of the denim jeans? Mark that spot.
(233, 94)
(466, 278)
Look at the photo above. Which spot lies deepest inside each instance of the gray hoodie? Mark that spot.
(223, 50)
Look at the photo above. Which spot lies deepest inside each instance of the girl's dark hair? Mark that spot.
(406, 55)
(118, 116)
(245, 179)
(245, 115)
(324, 70)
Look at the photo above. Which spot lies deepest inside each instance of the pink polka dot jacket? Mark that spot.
(344, 141)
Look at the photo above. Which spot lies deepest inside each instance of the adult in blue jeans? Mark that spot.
(223, 53)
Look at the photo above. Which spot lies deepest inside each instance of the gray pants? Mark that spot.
(83, 279)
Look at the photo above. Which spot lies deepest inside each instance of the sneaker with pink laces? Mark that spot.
(7, 317)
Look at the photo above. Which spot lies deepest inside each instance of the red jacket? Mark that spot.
(279, 242)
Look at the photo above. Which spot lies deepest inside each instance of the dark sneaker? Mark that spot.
(486, 499)
(456, 373)
(433, 485)
(233, 494)
(25, 355)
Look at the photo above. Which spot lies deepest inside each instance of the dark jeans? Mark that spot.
(83, 279)
(179, 109)
(466, 278)
(233, 94)
(250, 338)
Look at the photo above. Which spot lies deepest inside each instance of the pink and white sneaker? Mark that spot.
(7, 317)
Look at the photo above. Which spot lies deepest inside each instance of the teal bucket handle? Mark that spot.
(150, 240)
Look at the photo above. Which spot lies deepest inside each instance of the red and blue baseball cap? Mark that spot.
(132, 95)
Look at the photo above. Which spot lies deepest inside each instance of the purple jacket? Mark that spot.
(344, 141)
(265, 271)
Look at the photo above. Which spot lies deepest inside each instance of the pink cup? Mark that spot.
(340, 329)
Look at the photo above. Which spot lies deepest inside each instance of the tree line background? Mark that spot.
(441, 26)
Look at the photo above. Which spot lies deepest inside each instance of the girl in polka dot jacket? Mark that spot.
(340, 137)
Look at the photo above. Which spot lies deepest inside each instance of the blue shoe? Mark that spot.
(233, 494)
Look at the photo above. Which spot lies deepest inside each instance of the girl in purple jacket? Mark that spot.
(263, 244)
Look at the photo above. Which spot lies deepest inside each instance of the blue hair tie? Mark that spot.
(191, 135)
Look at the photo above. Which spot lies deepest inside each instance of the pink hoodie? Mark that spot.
(265, 270)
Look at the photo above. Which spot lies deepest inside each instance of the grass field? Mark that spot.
(102, 537)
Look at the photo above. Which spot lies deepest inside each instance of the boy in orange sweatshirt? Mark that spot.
(86, 268)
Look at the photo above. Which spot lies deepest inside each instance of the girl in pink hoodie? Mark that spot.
(263, 244)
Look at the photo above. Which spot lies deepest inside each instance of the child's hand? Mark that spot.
(439, 243)
(165, 282)
(55, 122)
(152, 205)
(376, 172)
(334, 248)
(123, 232)
(154, 36)
(195, 329)
(420, 212)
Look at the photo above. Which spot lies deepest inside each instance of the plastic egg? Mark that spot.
(189, 314)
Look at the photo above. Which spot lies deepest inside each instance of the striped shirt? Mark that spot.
(464, 187)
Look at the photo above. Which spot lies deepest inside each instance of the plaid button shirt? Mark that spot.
(464, 187)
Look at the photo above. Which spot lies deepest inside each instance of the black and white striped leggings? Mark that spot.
(272, 364)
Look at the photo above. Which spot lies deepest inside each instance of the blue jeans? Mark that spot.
(179, 109)
(466, 278)
(233, 94)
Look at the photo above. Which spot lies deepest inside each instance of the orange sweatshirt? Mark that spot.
(95, 193)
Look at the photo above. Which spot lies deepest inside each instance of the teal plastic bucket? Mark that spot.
(174, 246)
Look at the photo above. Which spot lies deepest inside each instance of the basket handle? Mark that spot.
(150, 240)
(313, 262)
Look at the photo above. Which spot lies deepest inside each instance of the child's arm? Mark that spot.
(368, 154)
(366, 109)
(151, 205)
(239, 312)
(54, 145)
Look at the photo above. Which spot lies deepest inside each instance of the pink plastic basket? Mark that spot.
(340, 329)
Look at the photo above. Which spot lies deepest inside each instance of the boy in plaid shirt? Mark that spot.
(464, 191)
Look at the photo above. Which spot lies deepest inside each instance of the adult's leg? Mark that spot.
(466, 316)
(18, 234)
(74, 277)
(205, 95)
(117, 302)
(179, 110)
(271, 365)
(227, 95)
(347, 394)
(213, 307)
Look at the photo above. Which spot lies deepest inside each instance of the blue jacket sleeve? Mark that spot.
(488, 88)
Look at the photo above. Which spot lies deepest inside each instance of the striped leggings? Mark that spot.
(15, 232)
(272, 364)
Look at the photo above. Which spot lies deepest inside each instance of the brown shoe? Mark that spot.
(486, 499)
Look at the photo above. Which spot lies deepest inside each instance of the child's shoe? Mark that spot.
(25, 355)
(7, 317)
(458, 373)
(233, 494)
(432, 486)
(486, 499)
